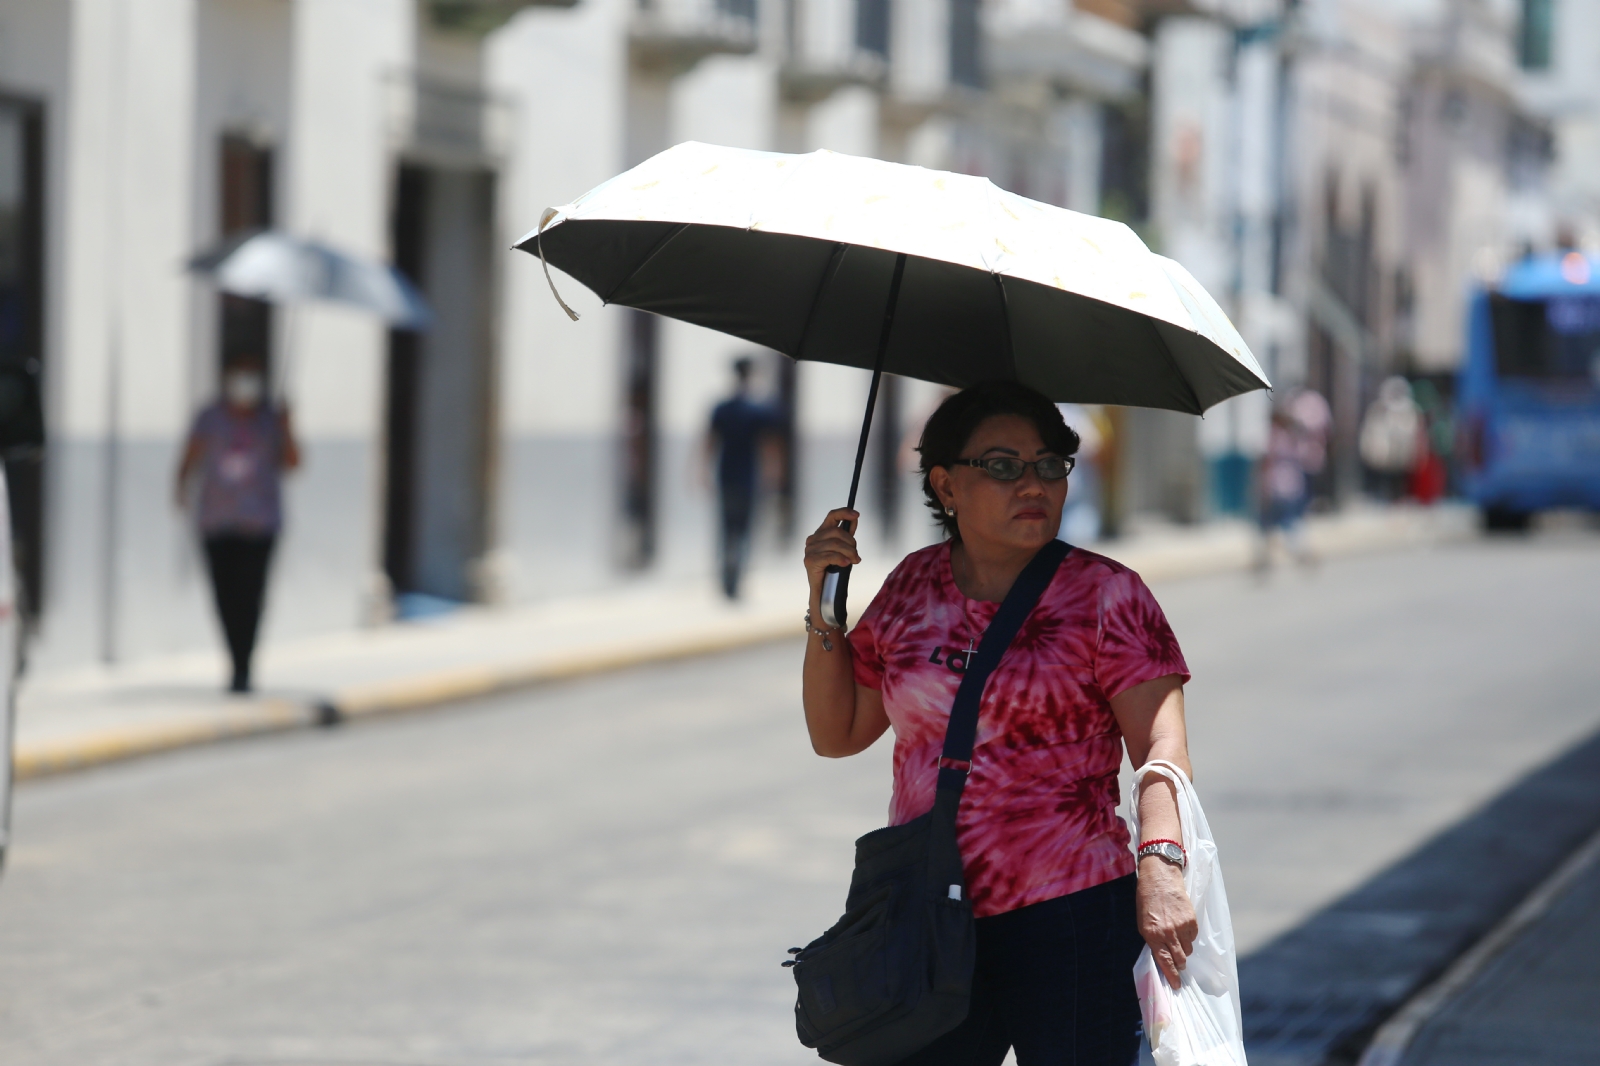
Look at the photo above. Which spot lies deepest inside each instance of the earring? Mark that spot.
(951, 511)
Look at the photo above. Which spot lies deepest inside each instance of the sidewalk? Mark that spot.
(1420, 962)
(1524, 994)
(72, 720)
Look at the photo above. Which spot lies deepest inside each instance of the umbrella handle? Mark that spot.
(835, 590)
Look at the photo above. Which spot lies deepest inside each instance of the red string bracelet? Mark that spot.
(1162, 840)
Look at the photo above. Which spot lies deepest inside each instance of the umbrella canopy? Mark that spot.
(800, 252)
(926, 274)
(275, 266)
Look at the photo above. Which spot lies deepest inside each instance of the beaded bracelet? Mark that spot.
(825, 634)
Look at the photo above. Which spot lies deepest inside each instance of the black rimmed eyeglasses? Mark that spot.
(1010, 468)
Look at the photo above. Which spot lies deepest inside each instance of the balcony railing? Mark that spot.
(671, 36)
(1073, 49)
(479, 17)
(828, 44)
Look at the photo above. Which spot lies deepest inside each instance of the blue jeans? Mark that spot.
(738, 511)
(1280, 513)
(1054, 981)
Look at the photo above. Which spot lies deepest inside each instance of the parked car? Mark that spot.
(1528, 396)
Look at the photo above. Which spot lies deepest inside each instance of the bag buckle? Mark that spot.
(964, 765)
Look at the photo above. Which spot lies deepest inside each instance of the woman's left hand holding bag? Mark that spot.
(1151, 718)
(1166, 916)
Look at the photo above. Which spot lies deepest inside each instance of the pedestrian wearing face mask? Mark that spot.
(237, 453)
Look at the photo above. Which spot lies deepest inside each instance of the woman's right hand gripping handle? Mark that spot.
(842, 717)
(833, 544)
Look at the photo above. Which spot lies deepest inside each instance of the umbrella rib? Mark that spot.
(666, 239)
(835, 261)
(1172, 359)
(1005, 322)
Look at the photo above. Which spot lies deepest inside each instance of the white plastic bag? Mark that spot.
(1199, 1023)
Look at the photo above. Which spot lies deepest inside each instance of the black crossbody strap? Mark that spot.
(960, 734)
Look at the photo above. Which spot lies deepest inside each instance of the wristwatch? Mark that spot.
(1166, 850)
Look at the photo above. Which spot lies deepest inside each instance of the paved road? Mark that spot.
(607, 872)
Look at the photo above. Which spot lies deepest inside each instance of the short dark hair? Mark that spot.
(950, 427)
(743, 367)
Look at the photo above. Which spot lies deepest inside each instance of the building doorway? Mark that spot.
(22, 340)
(245, 206)
(639, 440)
(439, 417)
(787, 489)
(886, 440)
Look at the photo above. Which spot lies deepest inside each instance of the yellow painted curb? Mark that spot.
(446, 686)
(46, 758)
(113, 745)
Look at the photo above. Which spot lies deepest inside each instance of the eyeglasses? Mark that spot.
(1009, 468)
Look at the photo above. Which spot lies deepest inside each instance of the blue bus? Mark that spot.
(1528, 396)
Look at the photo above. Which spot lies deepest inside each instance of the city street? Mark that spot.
(607, 872)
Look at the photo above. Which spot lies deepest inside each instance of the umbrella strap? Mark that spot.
(544, 220)
(877, 374)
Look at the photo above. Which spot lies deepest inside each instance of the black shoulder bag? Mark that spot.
(895, 972)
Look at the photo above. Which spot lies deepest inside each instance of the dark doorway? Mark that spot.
(787, 489)
(245, 206)
(966, 43)
(639, 440)
(885, 443)
(439, 424)
(22, 340)
(872, 26)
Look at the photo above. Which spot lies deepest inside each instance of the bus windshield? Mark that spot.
(1555, 340)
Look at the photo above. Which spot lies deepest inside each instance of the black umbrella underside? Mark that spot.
(824, 301)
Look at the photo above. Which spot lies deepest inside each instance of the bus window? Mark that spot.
(1556, 340)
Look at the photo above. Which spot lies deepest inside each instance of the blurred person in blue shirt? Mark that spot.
(740, 428)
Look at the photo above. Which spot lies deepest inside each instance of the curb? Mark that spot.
(1388, 1047)
(1394, 947)
(447, 686)
(1223, 551)
(114, 745)
(279, 715)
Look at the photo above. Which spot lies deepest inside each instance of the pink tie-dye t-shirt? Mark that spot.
(1037, 819)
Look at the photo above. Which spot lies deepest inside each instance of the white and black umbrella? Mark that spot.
(931, 275)
(275, 266)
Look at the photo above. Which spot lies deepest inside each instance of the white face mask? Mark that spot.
(243, 388)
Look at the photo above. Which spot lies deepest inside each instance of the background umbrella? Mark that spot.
(274, 266)
(927, 274)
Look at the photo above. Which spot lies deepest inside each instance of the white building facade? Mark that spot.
(1281, 151)
(508, 454)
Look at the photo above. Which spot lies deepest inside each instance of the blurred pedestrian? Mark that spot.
(1430, 477)
(234, 461)
(1083, 517)
(1283, 488)
(740, 430)
(1392, 438)
(1061, 916)
(1314, 418)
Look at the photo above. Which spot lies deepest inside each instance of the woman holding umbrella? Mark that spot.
(1095, 669)
(238, 450)
(946, 278)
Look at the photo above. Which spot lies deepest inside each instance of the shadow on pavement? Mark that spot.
(1316, 993)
